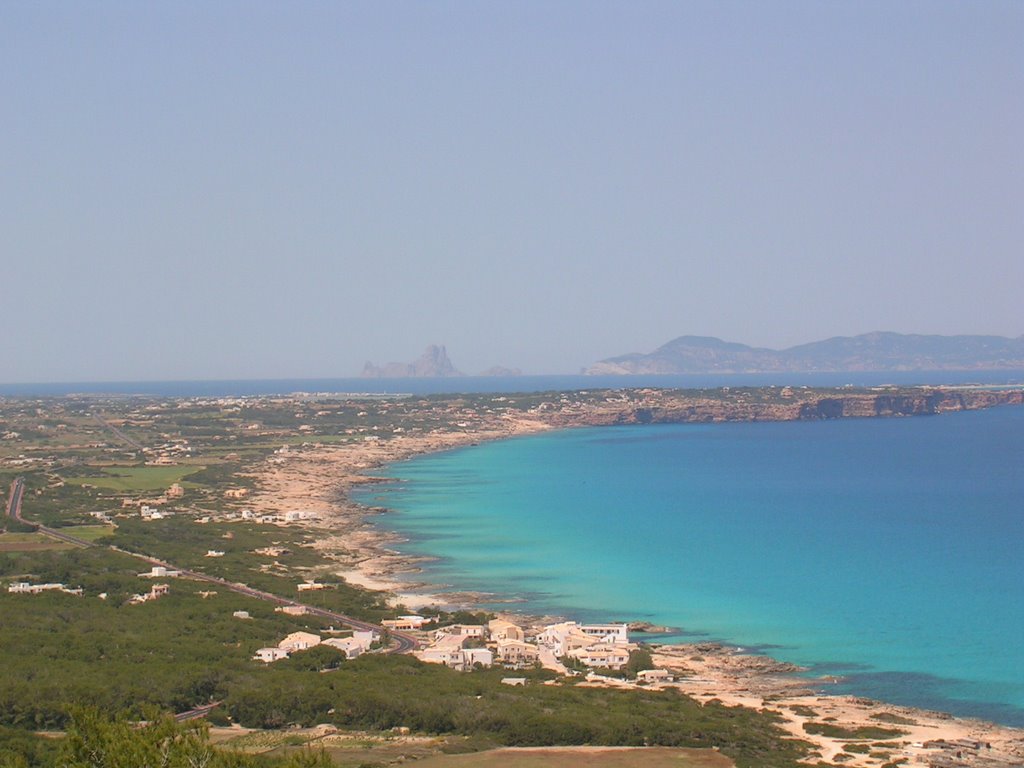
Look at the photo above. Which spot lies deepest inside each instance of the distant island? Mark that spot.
(879, 351)
(433, 363)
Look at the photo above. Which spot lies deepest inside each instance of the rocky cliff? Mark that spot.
(654, 406)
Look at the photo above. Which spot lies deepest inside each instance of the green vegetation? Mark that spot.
(377, 692)
(184, 650)
(864, 732)
(89, 532)
(20, 748)
(803, 711)
(639, 660)
(180, 540)
(133, 478)
(96, 741)
(860, 749)
(889, 717)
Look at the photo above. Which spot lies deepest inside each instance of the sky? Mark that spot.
(224, 190)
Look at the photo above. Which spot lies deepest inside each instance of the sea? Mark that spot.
(887, 554)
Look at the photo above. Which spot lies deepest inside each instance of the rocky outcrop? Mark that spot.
(433, 363)
(878, 351)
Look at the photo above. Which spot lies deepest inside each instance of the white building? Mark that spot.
(654, 676)
(461, 630)
(268, 655)
(473, 656)
(564, 637)
(366, 636)
(159, 572)
(352, 646)
(299, 641)
(602, 655)
(517, 652)
(25, 588)
(405, 622)
(607, 633)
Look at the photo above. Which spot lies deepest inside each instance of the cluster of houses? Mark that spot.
(155, 593)
(466, 646)
(25, 588)
(353, 646)
(247, 515)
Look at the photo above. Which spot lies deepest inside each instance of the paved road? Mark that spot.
(400, 642)
(14, 500)
(195, 714)
(118, 433)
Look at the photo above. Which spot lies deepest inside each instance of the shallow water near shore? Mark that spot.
(885, 551)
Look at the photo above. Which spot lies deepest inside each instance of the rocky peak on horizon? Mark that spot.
(433, 363)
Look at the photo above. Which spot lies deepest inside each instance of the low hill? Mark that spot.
(879, 351)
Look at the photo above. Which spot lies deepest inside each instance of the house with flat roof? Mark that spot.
(606, 633)
(654, 676)
(516, 652)
(405, 622)
(462, 630)
(602, 655)
(564, 637)
(449, 650)
(349, 645)
(268, 655)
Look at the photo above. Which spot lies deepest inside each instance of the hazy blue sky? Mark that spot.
(228, 190)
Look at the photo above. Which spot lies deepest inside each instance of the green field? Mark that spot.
(136, 478)
(89, 532)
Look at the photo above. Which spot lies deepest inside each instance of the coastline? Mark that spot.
(319, 478)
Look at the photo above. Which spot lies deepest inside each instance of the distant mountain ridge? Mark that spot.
(878, 351)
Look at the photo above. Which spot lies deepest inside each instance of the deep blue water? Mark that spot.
(885, 550)
(470, 384)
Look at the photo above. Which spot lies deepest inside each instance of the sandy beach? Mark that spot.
(318, 478)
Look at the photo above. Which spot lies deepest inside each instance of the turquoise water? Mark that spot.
(888, 551)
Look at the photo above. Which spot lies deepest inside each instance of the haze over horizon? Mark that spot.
(237, 190)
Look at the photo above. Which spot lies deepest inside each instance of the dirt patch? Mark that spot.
(583, 757)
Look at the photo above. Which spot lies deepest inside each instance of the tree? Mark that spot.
(95, 740)
(316, 659)
(639, 660)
